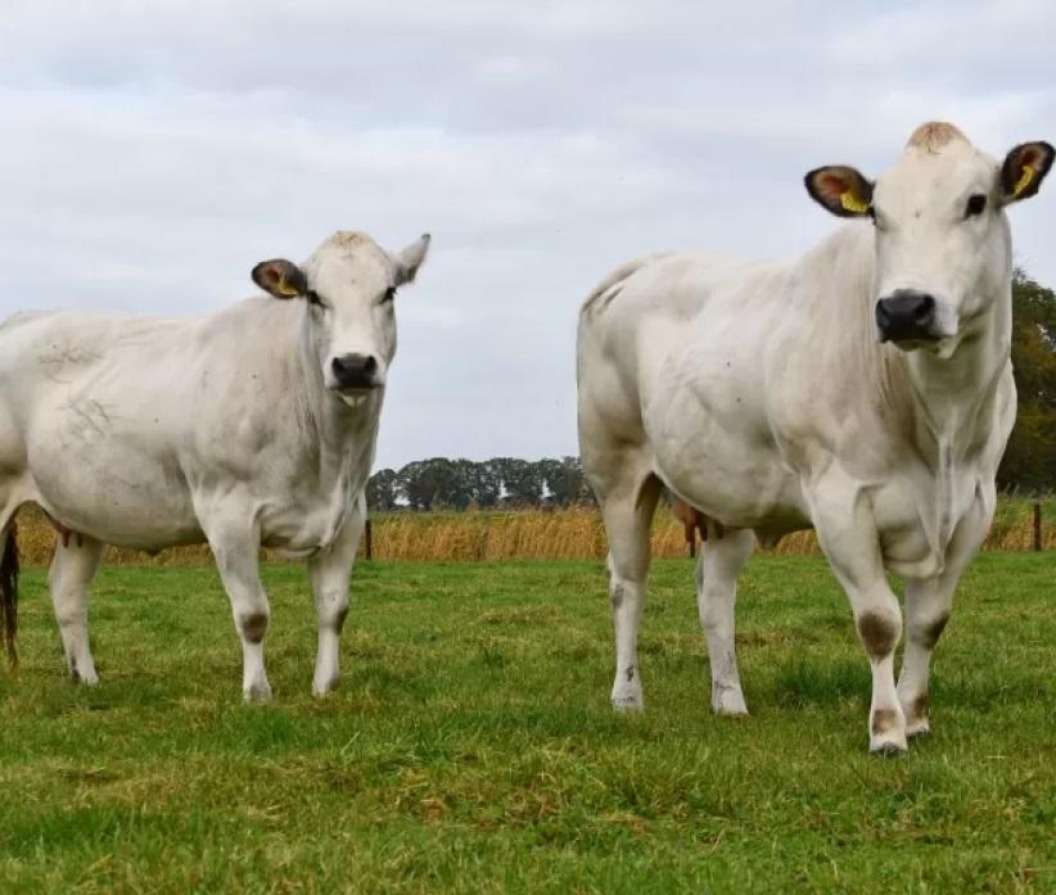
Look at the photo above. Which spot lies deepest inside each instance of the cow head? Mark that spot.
(349, 285)
(943, 245)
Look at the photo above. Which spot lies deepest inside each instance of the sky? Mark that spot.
(153, 152)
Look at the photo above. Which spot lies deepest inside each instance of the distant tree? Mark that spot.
(438, 483)
(481, 482)
(381, 491)
(565, 482)
(522, 481)
(1030, 460)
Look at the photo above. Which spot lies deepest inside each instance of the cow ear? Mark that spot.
(1024, 169)
(841, 190)
(280, 278)
(410, 259)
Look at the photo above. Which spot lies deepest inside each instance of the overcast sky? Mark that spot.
(152, 152)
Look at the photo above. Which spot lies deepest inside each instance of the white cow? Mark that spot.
(255, 426)
(864, 389)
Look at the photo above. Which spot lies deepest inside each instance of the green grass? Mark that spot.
(471, 747)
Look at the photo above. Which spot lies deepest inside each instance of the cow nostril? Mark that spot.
(370, 366)
(925, 308)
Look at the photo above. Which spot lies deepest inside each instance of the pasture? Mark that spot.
(471, 747)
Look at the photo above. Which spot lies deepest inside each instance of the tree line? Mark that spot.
(442, 483)
(1029, 464)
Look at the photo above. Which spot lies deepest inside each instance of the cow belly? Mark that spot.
(115, 492)
(124, 509)
(712, 444)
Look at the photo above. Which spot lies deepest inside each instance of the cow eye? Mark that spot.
(314, 299)
(389, 295)
(976, 205)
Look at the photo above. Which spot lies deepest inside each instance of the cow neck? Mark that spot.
(341, 433)
(953, 398)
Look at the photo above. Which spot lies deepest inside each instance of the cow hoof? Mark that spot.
(729, 703)
(888, 747)
(628, 703)
(321, 691)
(257, 693)
(88, 680)
(917, 728)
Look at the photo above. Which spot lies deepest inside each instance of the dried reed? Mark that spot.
(524, 534)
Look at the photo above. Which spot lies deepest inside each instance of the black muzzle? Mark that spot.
(354, 371)
(906, 315)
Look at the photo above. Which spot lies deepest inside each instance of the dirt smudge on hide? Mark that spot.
(879, 634)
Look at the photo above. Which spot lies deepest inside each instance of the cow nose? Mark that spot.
(354, 370)
(905, 314)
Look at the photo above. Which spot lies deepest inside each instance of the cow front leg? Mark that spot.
(849, 539)
(72, 568)
(928, 606)
(237, 560)
(329, 572)
(721, 559)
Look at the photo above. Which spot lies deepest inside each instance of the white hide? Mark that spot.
(760, 394)
(228, 428)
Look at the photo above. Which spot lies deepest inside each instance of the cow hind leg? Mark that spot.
(628, 516)
(72, 568)
(721, 559)
(329, 572)
(237, 560)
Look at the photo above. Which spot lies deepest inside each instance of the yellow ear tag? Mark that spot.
(1024, 180)
(286, 289)
(852, 203)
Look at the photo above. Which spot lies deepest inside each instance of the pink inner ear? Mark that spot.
(1031, 156)
(831, 186)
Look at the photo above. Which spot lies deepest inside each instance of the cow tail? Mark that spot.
(9, 595)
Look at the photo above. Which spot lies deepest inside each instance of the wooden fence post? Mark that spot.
(1038, 541)
(370, 540)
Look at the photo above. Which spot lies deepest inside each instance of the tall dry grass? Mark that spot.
(526, 534)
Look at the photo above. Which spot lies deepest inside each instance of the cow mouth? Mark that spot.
(354, 395)
(358, 389)
(912, 342)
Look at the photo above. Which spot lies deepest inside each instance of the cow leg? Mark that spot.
(72, 569)
(627, 518)
(928, 606)
(329, 572)
(850, 542)
(237, 560)
(720, 562)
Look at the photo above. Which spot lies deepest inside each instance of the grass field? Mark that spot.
(471, 747)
